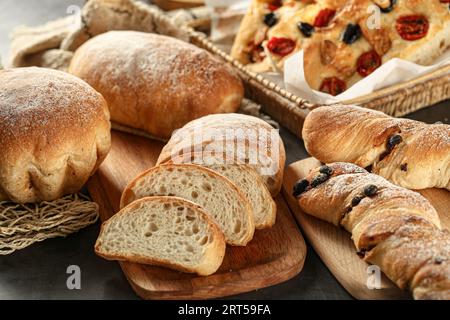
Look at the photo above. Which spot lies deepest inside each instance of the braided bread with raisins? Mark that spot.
(392, 227)
(409, 153)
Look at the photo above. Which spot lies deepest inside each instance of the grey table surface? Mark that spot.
(39, 271)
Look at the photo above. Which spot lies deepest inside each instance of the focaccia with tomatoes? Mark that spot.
(273, 30)
(343, 40)
(357, 41)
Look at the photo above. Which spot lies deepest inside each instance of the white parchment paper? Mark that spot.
(392, 72)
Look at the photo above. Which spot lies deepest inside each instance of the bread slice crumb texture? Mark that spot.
(165, 231)
(220, 198)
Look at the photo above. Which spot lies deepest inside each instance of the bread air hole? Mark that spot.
(189, 248)
(237, 226)
(195, 229)
(153, 227)
(184, 182)
(194, 194)
(204, 241)
(167, 206)
(162, 189)
(190, 218)
(206, 186)
(148, 234)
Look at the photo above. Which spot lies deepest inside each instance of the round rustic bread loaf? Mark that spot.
(156, 83)
(54, 132)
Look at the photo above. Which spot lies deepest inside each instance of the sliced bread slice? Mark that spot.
(246, 179)
(220, 197)
(165, 231)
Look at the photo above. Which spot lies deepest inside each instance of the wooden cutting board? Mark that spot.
(273, 256)
(336, 248)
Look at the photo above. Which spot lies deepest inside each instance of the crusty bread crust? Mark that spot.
(54, 133)
(352, 134)
(212, 258)
(156, 83)
(392, 227)
(215, 129)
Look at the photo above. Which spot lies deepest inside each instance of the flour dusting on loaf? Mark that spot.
(409, 153)
(30, 109)
(54, 133)
(394, 228)
(156, 83)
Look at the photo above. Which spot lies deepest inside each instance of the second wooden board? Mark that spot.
(335, 247)
(273, 256)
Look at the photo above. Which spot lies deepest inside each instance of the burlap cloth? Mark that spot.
(52, 45)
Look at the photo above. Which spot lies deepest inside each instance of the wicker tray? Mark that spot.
(290, 110)
(177, 4)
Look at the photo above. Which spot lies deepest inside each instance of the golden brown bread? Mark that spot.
(409, 153)
(54, 133)
(156, 83)
(392, 227)
(236, 138)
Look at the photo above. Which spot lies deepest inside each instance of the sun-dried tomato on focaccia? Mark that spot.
(356, 42)
(271, 31)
